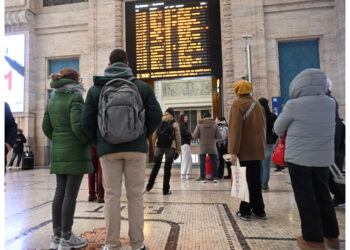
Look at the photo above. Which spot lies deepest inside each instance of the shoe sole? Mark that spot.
(243, 218)
(73, 247)
(53, 246)
(259, 217)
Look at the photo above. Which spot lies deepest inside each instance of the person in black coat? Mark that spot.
(10, 131)
(271, 138)
(339, 151)
(18, 148)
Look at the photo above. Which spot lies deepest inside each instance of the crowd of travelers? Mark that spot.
(121, 112)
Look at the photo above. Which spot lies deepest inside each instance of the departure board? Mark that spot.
(170, 39)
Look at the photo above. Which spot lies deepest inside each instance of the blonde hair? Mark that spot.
(66, 73)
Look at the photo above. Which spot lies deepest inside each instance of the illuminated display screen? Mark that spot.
(167, 40)
(13, 68)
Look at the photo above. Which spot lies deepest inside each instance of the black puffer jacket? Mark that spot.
(18, 146)
(271, 137)
(186, 135)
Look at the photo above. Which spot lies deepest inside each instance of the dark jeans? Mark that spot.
(256, 203)
(92, 177)
(317, 215)
(63, 205)
(214, 163)
(14, 154)
(158, 156)
(223, 150)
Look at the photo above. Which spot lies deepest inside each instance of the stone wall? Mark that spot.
(271, 21)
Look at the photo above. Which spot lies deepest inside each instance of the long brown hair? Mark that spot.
(182, 120)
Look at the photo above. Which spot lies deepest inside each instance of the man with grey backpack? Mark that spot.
(119, 114)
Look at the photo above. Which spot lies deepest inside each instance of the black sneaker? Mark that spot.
(243, 217)
(167, 193)
(143, 247)
(227, 177)
(260, 217)
(201, 180)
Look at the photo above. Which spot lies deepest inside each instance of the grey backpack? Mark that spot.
(121, 115)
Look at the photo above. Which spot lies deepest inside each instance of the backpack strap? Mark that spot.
(249, 111)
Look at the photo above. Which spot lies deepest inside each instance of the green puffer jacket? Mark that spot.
(62, 124)
(153, 116)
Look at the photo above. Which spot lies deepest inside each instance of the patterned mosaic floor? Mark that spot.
(195, 216)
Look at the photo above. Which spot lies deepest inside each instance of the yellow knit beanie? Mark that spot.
(242, 87)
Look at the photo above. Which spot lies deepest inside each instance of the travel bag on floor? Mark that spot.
(28, 159)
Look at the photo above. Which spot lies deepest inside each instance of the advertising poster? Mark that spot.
(14, 72)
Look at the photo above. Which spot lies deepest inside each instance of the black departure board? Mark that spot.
(171, 39)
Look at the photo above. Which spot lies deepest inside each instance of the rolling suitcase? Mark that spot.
(28, 159)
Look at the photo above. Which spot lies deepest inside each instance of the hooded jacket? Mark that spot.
(309, 120)
(167, 117)
(62, 124)
(247, 139)
(153, 114)
(207, 132)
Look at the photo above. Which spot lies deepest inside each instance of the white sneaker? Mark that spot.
(55, 241)
(143, 247)
(10, 167)
(106, 248)
(73, 242)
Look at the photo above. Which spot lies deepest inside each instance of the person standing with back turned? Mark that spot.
(70, 154)
(308, 118)
(247, 141)
(127, 158)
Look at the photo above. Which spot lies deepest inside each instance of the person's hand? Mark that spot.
(8, 146)
(233, 157)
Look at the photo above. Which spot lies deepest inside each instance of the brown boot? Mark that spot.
(309, 245)
(100, 200)
(333, 243)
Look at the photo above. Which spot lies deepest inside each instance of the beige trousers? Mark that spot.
(133, 166)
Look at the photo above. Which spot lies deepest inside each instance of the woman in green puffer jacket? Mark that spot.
(70, 157)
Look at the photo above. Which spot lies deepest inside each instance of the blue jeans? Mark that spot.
(14, 154)
(214, 163)
(265, 167)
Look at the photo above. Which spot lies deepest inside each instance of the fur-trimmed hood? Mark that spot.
(207, 122)
(167, 117)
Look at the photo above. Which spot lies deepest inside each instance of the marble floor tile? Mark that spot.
(195, 216)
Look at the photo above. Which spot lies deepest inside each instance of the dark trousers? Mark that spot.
(337, 189)
(63, 205)
(222, 149)
(19, 155)
(317, 215)
(92, 177)
(214, 164)
(158, 156)
(256, 203)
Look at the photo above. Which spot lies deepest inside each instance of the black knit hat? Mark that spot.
(170, 111)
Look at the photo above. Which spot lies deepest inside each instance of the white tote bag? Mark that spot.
(239, 187)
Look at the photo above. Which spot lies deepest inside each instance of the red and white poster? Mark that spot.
(14, 71)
